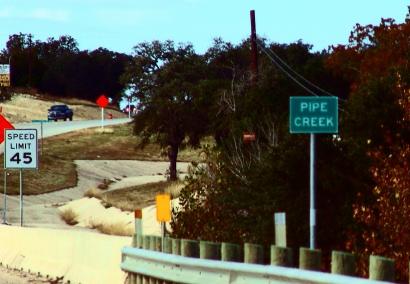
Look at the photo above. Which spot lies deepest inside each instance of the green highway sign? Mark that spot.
(313, 115)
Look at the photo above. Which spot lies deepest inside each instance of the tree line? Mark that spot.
(57, 67)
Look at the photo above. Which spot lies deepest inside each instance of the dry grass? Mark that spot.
(105, 130)
(60, 152)
(140, 196)
(69, 216)
(174, 189)
(116, 229)
(93, 192)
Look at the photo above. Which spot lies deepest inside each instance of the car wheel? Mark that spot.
(55, 120)
(71, 118)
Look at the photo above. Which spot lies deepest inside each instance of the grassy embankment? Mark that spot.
(56, 166)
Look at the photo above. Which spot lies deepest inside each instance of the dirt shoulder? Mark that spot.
(41, 210)
(13, 276)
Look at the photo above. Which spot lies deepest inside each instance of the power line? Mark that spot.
(300, 76)
(290, 75)
(287, 73)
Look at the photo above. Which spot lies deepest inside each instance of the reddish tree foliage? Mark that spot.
(384, 222)
(374, 54)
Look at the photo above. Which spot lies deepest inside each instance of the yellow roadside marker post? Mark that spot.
(163, 213)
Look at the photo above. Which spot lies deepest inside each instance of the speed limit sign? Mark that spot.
(20, 149)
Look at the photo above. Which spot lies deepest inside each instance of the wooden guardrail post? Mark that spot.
(176, 246)
(310, 259)
(167, 245)
(158, 243)
(253, 253)
(189, 248)
(146, 245)
(137, 243)
(209, 250)
(343, 263)
(154, 245)
(381, 268)
(281, 256)
(231, 252)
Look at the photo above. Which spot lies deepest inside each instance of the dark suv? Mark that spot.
(60, 112)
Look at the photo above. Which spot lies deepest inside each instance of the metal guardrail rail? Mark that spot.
(179, 269)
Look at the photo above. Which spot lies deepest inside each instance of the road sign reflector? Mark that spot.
(138, 214)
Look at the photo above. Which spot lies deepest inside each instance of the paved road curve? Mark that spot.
(55, 128)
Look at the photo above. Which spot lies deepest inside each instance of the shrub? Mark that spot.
(93, 192)
(116, 229)
(69, 216)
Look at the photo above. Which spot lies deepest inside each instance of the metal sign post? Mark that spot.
(129, 107)
(102, 102)
(21, 197)
(312, 184)
(41, 132)
(313, 115)
(102, 118)
(5, 198)
(21, 152)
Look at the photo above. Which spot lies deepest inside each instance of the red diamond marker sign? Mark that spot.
(4, 124)
(102, 101)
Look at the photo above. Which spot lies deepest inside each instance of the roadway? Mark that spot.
(55, 128)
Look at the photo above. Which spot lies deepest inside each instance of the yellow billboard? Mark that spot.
(4, 75)
(4, 80)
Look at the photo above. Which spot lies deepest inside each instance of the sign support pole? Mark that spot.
(162, 235)
(102, 118)
(5, 198)
(312, 191)
(21, 197)
(129, 109)
(41, 125)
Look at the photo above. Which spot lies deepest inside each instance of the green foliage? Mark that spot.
(243, 185)
(170, 84)
(58, 67)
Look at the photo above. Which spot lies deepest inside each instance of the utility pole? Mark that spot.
(254, 51)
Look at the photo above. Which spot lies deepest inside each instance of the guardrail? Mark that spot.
(149, 265)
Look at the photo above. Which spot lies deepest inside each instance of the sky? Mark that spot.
(119, 25)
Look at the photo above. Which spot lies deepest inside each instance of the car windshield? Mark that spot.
(63, 107)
